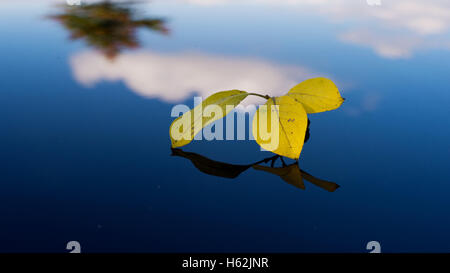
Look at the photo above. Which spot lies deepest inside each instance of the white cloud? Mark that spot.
(388, 46)
(369, 103)
(174, 77)
(395, 29)
(423, 24)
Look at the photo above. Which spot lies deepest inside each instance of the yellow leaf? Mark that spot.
(317, 95)
(279, 126)
(184, 128)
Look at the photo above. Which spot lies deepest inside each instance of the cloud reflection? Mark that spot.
(174, 77)
(395, 29)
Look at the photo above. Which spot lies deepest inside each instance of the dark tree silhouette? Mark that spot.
(107, 26)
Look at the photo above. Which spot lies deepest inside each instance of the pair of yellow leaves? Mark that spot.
(290, 110)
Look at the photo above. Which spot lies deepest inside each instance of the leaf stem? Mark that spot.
(259, 95)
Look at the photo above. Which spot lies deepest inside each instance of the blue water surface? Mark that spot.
(85, 150)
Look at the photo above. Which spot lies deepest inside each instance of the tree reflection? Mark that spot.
(291, 174)
(107, 26)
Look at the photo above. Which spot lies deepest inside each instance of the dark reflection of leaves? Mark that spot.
(106, 26)
(326, 185)
(291, 174)
(212, 167)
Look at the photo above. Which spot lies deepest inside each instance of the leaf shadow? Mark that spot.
(291, 174)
